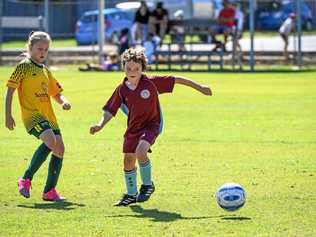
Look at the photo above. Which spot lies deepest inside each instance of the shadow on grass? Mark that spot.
(161, 216)
(65, 205)
(236, 218)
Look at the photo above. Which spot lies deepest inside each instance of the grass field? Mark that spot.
(258, 130)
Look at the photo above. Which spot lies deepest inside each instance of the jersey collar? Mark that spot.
(36, 64)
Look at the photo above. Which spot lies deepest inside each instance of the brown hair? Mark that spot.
(34, 37)
(136, 55)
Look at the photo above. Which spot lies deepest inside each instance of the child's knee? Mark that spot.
(59, 149)
(141, 154)
(51, 143)
(129, 161)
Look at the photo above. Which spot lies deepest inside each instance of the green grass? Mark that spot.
(258, 130)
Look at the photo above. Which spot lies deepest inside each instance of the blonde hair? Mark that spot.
(35, 37)
(136, 55)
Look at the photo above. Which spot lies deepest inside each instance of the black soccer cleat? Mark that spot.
(126, 200)
(145, 192)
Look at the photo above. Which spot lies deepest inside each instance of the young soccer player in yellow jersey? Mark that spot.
(35, 85)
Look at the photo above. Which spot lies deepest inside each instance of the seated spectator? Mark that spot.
(110, 64)
(225, 23)
(159, 21)
(285, 30)
(178, 30)
(141, 23)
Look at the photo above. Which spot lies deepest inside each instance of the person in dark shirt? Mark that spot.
(141, 22)
(137, 96)
(159, 21)
(124, 40)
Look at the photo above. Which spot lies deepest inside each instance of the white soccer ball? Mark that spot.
(231, 196)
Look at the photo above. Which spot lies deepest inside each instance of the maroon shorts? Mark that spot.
(131, 140)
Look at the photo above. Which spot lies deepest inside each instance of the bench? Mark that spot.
(197, 57)
(190, 49)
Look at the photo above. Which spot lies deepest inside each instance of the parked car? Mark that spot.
(271, 15)
(114, 19)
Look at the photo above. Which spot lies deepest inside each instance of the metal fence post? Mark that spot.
(46, 23)
(299, 32)
(251, 29)
(1, 31)
(46, 14)
(101, 31)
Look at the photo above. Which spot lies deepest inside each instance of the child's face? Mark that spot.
(39, 51)
(133, 71)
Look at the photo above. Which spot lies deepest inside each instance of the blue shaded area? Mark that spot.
(231, 198)
(231, 208)
(124, 109)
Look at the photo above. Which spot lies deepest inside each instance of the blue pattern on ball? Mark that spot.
(231, 196)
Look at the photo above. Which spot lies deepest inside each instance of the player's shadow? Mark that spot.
(236, 218)
(160, 216)
(65, 205)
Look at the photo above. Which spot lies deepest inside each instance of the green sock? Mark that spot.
(38, 159)
(54, 168)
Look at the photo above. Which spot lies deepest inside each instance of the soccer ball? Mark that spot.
(231, 196)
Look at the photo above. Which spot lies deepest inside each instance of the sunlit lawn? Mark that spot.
(258, 130)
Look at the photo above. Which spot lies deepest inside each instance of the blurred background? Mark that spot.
(73, 25)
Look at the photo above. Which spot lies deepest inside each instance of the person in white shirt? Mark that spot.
(239, 18)
(285, 30)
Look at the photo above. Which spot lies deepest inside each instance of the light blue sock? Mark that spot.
(130, 181)
(145, 172)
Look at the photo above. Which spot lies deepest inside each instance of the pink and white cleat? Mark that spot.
(52, 196)
(24, 187)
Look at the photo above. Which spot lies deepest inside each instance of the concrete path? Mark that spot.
(276, 44)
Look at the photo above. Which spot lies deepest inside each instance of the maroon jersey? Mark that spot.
(142, 104)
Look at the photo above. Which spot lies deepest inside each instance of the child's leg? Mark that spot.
(286, 43)
(38, 159)
(55, 143)
(147, 188)
(130, 180)
(130, 173)
(144, 162)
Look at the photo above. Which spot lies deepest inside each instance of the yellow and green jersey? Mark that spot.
(35, 85)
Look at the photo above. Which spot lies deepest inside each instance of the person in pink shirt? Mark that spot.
(137, 96)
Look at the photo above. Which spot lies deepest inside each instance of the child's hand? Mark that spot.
(205, 90)
(66, 106)
(94, 129)
(9, 122)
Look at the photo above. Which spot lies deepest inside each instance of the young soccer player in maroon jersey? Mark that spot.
(137, 96)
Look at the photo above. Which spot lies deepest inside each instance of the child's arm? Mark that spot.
(104, 120)
(9, 121)
(201, 88)
(62, 100)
